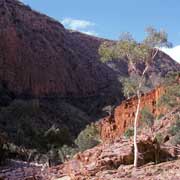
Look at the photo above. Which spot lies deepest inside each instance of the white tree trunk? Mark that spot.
(136, 117)
(135, 132)
(136, 153)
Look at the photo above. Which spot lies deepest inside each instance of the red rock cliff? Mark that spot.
(39, 56)
(123, 116)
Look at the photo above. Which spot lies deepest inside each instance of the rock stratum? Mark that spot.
(38, 56)
(122, 117)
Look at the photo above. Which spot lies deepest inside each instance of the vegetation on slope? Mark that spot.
(143, 53)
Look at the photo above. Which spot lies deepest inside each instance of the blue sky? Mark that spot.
(108, 18)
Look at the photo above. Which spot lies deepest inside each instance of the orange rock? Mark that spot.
(115, 125)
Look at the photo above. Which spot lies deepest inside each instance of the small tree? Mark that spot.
(57, 137)
(129, 87)
(156, 38)
(127, 48)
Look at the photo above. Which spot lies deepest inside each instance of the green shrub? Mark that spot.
(147, 117)
(57, 136)
(172, 93)
(18, 120)
(175, 128)
(159, 137)
(88, 138)
(67, 152)
(129, 133)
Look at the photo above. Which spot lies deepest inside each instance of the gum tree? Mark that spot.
(134, 52)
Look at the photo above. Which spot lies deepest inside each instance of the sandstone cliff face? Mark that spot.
(123, 115)
(39, 56)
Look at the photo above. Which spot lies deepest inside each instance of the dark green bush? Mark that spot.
(58, 136)
(129, 133)
(88, 138)
(67, 152)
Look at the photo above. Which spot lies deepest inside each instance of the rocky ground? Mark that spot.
(113, 160)
(97, 171)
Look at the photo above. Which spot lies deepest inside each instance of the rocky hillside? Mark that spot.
(52, 77)
(38, 56)
(122, 117)
(113, 159)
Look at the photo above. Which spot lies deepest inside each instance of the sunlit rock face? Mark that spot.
(123, 116)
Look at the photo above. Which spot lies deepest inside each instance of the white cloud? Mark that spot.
(92, 33)
(173, 52)
(79, 25)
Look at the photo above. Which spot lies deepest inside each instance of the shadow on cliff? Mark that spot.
(24, 118)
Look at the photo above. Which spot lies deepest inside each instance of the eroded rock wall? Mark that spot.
(38, 56)
(123, 115)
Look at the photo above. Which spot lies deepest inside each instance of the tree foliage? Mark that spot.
(107, 52)
(129, 87)
(156, 38)
(58, 136)
(128, 48)
(125, 48)
(135, 53)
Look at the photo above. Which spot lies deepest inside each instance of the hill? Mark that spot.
(40, 57)
(51, 77)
